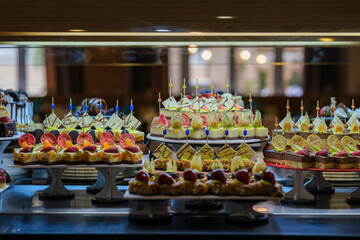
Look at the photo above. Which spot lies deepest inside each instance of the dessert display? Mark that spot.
(215, 111)
(241, 182)
(7, 126)
(311, 153)
(61, 150)
(208, 158)
(20, 108)
(95, 125)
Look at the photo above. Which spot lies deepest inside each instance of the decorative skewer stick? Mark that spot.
(170, 86)
(47, 122)
(184, 87)
(276, 125)
(63, 122)
(100, 106)
(196, 88)
(207, 132)
(352, 105)
(250, 101)
(83, 124)
(227, 85)
(187, 132)
(117, 107)
(212, 87)
(181, 101)
(317, 108)
(86, 105)
(245, 133)
(294, 127)
(226, 135)
(52, 105)
(70, 105)
(159, 101)
(302, 108)
(131, 107)
(287, 106)
(164, 133)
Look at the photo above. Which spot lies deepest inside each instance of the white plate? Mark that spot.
(201, 142)
(130, 196)
(15, 137)
(75, 166)
(6, 186)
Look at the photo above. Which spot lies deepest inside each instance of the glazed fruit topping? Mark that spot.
(90, 148)
(112, 150)
(356, 153)
(322, 153)
(48, 149)
(190, 175)
(142, 176)
(269, 177)
(5, 119)
(218, 175)
(165, 178)
(71, 150)
(342, 153)
(133, 149)
(304, 152)
(26, 150)
(243, 176)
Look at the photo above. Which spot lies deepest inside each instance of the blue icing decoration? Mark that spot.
(52, 106)
(131, 107)
(187, 132)
(207, 132)
(226, 132)
(164, 131)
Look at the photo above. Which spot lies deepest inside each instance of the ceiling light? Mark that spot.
(261, 59)
(192, 49)
(77, 30)
(326, 39)
(206, 55)
(225, 17)
(245, 55)
(162, 30)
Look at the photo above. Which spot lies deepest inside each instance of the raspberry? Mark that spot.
(269, 177)
(90, 148)
(322, 153)
(243, 176)
(142, 176)
(342, 153)
(71, 150)
(112, 150)
(48, 149)
(165, 178)
(303, 152)
(5, 119)
(26, 150)
(133, 149)
(190, 175)
(219, 175)
(356, 153)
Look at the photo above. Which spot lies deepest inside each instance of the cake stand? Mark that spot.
(157, 207)
(300, 191)
(5, 141)
(57, 190)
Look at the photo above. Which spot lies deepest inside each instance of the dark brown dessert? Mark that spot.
(322, 160)
(300, 159)
(7, 127)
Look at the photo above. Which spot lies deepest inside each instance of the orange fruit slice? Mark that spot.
(355, 128)
(304, 127)
(346, 141)
(332, 140)
(279, 142)
(298, 141)
(287, 126)
(314, 140)
(339, 129)
(322, 128)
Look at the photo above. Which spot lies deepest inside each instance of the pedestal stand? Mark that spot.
(56, 190)
(298, 193)
(319, 184)
(246, 214)
(151, 211)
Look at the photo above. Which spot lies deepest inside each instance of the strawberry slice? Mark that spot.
(186, 120)
(303, 152)
(205, 108)
(163, 120)
(204, 120)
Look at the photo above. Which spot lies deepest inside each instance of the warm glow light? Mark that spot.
(224, 17)
(192, 49)
(326, 39)
(77, 30)
(245, 55)
(206, 55)
(261, 59)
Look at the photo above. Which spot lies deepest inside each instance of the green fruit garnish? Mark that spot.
(297, 147)
(334, 149)
(316, 148)
(351, 148)
(169, 171)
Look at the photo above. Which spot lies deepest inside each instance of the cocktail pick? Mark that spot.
(52, 105)
(352, 105)
(198, 104)
(70, 105)
(245, 133)
(86, 107)
(227, 85)
(212, 87)
(207, 132)
(63, 122)
(287, 106)
(170, 86)
(181, 101)
(103, 123)
(294, 127)
(317, 108)
(47, 122)
(196, 88)
(302, 108)
(276, 125)
(187, 132)
(184, 87)
(83, 124)
(132, 107)
(226, 135)
(100, 106)
(250, 101)
(117, 107)
(159, 101)
(164, 133)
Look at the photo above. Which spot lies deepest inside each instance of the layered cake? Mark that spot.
(7, 126)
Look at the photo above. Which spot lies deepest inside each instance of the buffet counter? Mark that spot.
(23, 213)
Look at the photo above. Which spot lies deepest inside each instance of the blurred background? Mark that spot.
(271, 74)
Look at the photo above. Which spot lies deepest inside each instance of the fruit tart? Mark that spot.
(215, 131)
(49, 152)
(218, 183)
(143, 184)
(193, 185)
(176, 131)
(158, 124)
(132, 153)
(228, 124)
(111, 153)
(27, 154)
(261, 132)
(169, 186)
(90, 152)
(197, 132)
(71, 154)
